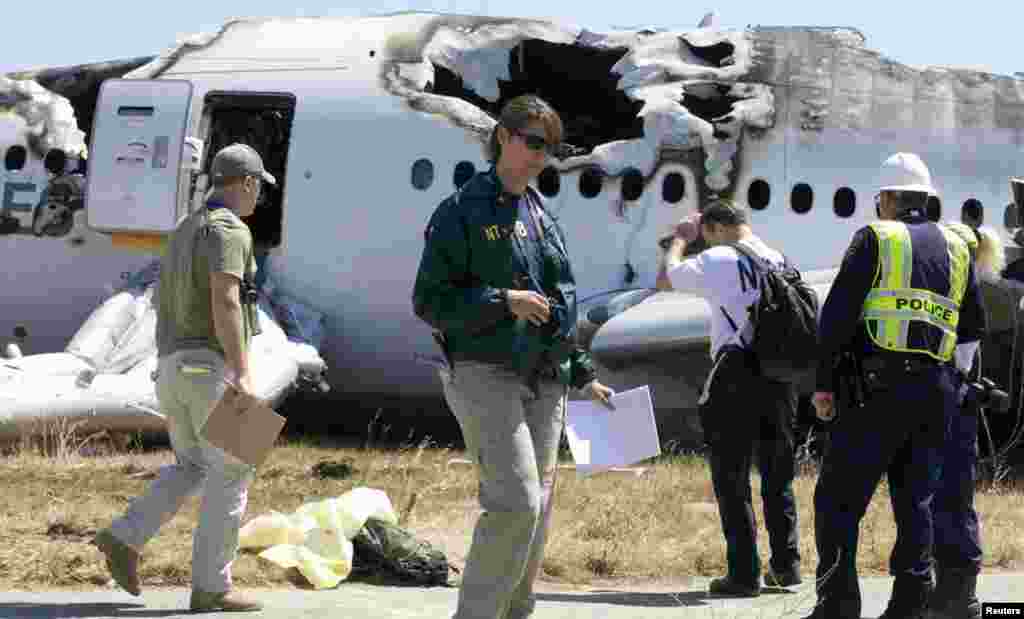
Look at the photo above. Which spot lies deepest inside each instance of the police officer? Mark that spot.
(496, 285)
(958, 551)
(904, 296)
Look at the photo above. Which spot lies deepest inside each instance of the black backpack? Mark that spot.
(785, 321)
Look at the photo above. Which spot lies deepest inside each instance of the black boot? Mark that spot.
(909, 600)
(961, 599)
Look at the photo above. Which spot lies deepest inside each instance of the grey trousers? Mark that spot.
(512, 434)
(190, 383)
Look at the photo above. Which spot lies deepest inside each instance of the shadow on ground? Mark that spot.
(32, 610)
(644, 599)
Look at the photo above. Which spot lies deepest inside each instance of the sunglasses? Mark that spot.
(535, 142)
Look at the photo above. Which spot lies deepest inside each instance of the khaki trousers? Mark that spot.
(190, 384)
(512, 434)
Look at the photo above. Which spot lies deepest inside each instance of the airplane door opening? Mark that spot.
(264, 122)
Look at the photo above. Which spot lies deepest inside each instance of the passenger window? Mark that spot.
(1011, 217)
(933, 208)
(15, 158)
(759, 194)
(972, 213)
(802, 198)
(591, 182)
(632, 184)
(673, 188)
(845, 202)
(549, 182)
(422, 174)
(55, 161)
(464, 170)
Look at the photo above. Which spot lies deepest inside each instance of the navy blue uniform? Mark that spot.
(885, 436)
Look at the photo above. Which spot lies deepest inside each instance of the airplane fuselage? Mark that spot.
(368, 161)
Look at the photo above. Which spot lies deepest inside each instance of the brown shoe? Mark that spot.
(122, 561)
(225, 601)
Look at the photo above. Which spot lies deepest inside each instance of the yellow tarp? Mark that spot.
(317, 538)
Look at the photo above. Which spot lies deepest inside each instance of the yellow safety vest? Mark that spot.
(966, 233)
(892, 305)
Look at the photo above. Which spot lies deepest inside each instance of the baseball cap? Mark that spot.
(239, 160)
(905, 172)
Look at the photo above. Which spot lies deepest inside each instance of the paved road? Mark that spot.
(376, 602)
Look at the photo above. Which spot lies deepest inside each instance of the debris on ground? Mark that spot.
(327, 540)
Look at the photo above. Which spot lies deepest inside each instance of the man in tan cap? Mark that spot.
(206, 317)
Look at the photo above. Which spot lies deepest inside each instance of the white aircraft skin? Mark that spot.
(811, 106)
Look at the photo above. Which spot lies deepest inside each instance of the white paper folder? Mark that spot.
(601, 439)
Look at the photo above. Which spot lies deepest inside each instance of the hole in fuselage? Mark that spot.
(711, 54)
(81, 85)
(710, 108)
(575, 80)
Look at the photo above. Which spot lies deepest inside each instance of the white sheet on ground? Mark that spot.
(601, 439)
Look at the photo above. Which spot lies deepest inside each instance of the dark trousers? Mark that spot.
(899, 432)
(744, 412)
(957, 531)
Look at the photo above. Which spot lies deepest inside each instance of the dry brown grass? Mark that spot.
(661, 527)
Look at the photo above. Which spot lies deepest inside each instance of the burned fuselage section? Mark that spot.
(630, 102)
(45, 122)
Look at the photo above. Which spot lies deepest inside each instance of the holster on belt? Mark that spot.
(881, 372)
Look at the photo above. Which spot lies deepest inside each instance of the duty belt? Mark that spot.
(904, 364)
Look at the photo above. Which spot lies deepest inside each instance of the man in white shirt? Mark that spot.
(732, 425)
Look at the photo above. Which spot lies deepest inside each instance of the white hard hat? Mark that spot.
(905, 172)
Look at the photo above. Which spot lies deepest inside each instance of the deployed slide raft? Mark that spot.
(103, 380)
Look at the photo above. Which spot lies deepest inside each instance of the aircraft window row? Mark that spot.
(55, 161)
(549, 182)
(673, 189)
(844, 203)
(422, 176)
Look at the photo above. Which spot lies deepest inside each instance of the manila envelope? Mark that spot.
(246, 433)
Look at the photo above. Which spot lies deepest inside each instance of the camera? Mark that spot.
(248, 292)
(983, 393)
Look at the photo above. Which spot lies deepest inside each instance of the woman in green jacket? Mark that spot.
(496, 285)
